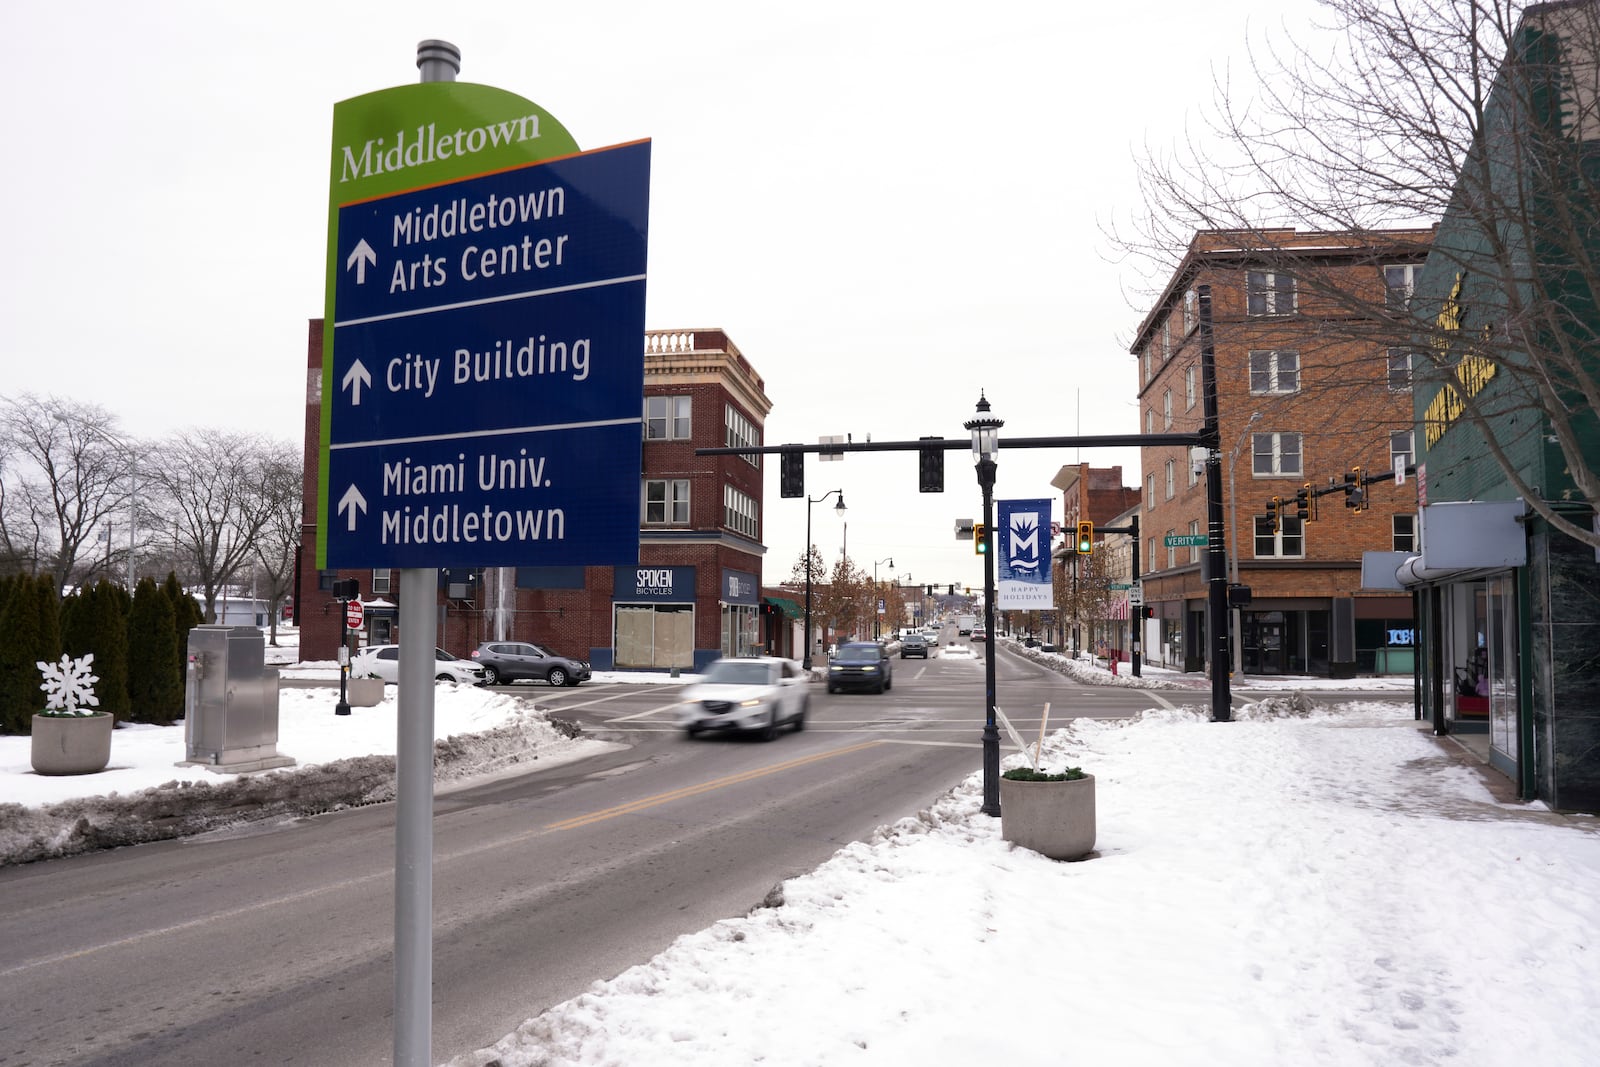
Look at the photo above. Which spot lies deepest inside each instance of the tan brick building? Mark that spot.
(1305, 396)
(696, 592)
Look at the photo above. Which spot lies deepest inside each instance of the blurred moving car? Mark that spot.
(758, 693)
(913, 645)
(980, 634)
(384, 661)
(515, 661)
(860, 665)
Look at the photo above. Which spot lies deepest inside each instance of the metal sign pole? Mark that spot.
(413, 833)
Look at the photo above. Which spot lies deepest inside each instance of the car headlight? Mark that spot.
(750, 703)
(831, 667)
(869, 670)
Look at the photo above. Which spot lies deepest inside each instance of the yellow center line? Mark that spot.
(704, 787)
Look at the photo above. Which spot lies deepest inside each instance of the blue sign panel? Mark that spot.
(488, 359)
(740, 587)
(1022, 571)
(653, 583)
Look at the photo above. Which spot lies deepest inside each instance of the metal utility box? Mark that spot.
(230, 702)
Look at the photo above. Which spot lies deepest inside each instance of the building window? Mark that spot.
(1405, 533)
(1166, 338)
(1276, 453)
(1172, 551)
(1150, 420)
(1269, 293)
(1191, 311)
(666, 501)
(741, 630)
(1149, 491)
(1399, 370)
(1194, 550)
(666, 418)
(1274, 370)
(380, 580)
(1172, 478)
(1288, 541)
(1150, 554)
(1399, 449)
(741, 431)
(1189, 390)
(1399, 285)
(1144, 358)
(739, 512)
(1166, 410)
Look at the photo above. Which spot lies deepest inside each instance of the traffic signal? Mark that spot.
(1275, 513)
(1302, 502)
(980, 538)
(1149, 611)
(1355, 491)
(792, 474)
(952, 591)
(1085, 537)
(930, 468)
(347, 589)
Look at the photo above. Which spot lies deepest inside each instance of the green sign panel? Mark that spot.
(1187, 540)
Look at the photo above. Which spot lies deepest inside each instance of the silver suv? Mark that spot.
(515, 661)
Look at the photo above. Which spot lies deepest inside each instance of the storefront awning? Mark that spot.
(785, 605)
(1467, 535)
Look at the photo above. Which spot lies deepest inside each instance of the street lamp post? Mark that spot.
(838, 510)
(985, 430)
(877, 617)
(1233, 542)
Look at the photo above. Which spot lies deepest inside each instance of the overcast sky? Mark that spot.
(888, 206)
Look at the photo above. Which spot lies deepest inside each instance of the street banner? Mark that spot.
(1022, 569)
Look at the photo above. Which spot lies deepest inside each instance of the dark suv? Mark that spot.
(913, 645)
(860, 665)
(513, 661)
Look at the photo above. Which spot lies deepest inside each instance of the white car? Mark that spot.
(756, 694)
(384, 661)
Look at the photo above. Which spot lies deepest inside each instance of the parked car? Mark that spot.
(913, 645)
(384, 661)
(515, 661)
(860, 665)
(758, 693)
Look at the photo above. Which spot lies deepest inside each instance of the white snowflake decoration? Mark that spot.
(68, 686)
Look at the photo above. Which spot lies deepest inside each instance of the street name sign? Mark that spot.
(1187, 541)
(483, 359)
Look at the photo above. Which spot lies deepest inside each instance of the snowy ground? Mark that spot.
(1326, 888)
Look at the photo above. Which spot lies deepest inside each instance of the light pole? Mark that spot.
(1233, 542)
(985, 430)
(877, 628)
(837, 510)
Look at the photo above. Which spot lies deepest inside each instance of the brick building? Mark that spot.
(1098, 495)
(696, 592)
(1303, 400)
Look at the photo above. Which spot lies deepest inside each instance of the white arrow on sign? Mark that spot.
(360, 256)
(354, 379)
(352, 499)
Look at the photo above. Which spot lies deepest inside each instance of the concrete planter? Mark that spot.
(1055, 819)
(72, 744)
(364, 692)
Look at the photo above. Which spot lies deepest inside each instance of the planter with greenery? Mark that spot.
(70, 736)
(1052, 814)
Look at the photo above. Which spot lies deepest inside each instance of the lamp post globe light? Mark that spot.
(877, 617)
(985, 430)
(839, 510)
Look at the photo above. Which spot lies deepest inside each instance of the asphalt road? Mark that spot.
(274, 943)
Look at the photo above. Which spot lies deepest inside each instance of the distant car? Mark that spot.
(515, 661)
(860, 665)
(913, 645)
(757, 694)
(980, 634)
(384, 661)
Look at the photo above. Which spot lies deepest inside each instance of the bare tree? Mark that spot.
(282, 487)
(69, 477)
(1482, 113)
(213, 487)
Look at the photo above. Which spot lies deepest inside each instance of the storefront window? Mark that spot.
(654, 635)
(741, 630)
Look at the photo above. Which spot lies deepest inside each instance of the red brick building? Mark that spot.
(1302, 400)
(696, 591)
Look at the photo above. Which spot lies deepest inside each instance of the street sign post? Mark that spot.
(1187, 541)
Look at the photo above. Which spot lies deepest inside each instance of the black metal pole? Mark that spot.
(991, 732)
(1217, 587)
(806, 660)
(343, 707)
(1138, 612)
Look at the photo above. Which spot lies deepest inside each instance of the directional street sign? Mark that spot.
(483, 366)
(1136, 596)
(1187, 541)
